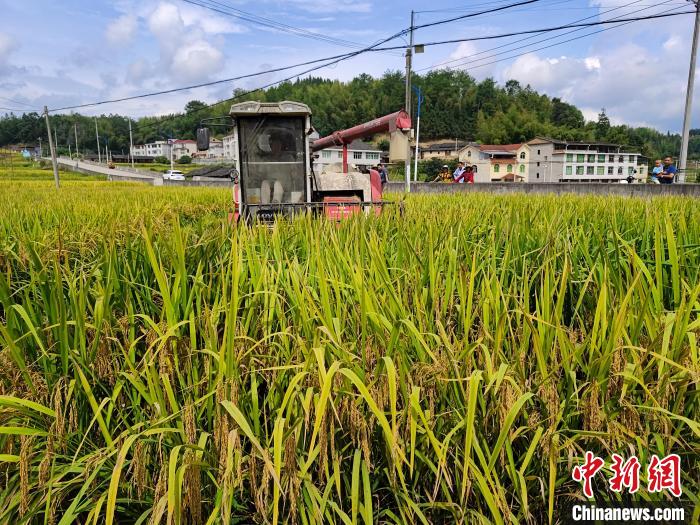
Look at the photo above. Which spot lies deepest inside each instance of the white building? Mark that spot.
(184, 147)
(360, 153)
(160, 148)
(215, 151)
(230, 147)
(549, 160)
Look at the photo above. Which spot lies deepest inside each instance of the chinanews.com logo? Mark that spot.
(663, 475)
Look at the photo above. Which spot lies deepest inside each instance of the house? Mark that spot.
(441, 150)
(184, 147)
(160, 148)
(360, 154)
(230, 146)
(549, 160)
(215, 151)
(493, 162)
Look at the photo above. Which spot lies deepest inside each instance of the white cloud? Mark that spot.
(122, 30)
(196, 60)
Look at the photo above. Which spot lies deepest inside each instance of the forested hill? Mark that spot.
(456, 107)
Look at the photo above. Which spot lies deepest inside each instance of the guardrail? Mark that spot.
(557, 188)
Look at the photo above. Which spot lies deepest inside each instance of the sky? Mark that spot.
(80, 51)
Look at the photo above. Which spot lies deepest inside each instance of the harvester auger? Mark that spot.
(274, 173)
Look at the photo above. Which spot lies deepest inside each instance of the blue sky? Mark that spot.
(77, 51)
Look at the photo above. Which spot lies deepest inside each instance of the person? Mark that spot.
(444, 175)
(669, 172)
(383, 175)
(457, 174)
(658, 168)
(468, 175)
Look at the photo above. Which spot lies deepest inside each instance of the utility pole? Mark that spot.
(409, 55)
(683, 161)
(97, 134)
(75, 129)
(419, 95)
(131, 141)
(41, 149)
(51, 146)
(55, 137)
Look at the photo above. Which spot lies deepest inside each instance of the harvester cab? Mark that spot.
(274, 173)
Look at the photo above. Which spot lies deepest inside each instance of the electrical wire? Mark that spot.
(544, 30)
(227, 10)
(460, 60)
(548, 46)
(333, 60)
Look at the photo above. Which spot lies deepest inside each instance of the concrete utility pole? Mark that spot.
(75, 129)
(41, 149)
(131, 141)
(683, 161)
(97, 134)
(409, 54)
(53, 149)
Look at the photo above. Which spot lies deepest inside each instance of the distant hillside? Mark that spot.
(456, 106)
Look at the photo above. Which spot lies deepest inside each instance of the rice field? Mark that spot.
(450, 365)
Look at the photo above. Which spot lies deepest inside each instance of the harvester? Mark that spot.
(274, 173)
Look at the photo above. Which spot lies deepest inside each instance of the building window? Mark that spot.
(579, 170)
(622, 158)
(580, 158)
(538, 164)
(510, 168)
(522, 168)
(522, 155)
(538, 175)
(569, 170)
(340, 154)
(496, 168)
(601, 158)
(600, 170)
(469, 153)
(569, 157)
(591, 158)
(326, 154)
(632, 159)
(372, 156)
(590, 170)
(611, 158)
(619, 170)
(538, 152)
(357, 155)
(611, 170)
(630, 170)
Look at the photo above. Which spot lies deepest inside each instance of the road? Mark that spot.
(118, 173)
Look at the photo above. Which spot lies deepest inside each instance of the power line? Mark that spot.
(15, 101)
(227, 10)
(473, 15)
(543, 30)
(333, 60)
(461, 59)
(544, 47)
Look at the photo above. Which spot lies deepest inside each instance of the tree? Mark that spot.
(185, 159)
(566, 115)
(161, 160)
(603, 125)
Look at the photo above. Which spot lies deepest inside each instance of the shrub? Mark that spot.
(185, 159)
(161, 160)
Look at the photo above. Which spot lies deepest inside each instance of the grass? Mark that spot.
(15, 168)
(446, 366)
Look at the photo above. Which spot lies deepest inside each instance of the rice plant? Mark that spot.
(449, 365)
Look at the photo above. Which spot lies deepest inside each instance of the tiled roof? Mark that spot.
(505, 148)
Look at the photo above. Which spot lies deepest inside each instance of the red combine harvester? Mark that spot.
(274, 174)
